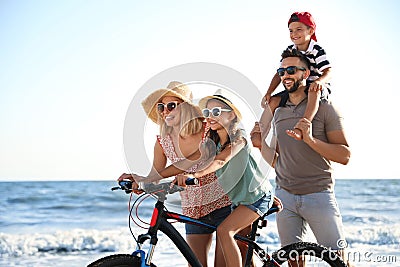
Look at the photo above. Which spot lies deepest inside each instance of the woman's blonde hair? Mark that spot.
(191, 121)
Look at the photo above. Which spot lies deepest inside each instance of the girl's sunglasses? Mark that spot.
(290, 70)
(170, 106)
(215, 112)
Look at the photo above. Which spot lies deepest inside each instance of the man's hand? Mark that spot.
(255, 135)
(305, 126)
(265, 100)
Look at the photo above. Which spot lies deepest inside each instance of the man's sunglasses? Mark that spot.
(170, 106)
(290, 70)
(215, 112)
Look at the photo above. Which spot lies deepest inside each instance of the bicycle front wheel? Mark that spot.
(118, 260)
(312, 254)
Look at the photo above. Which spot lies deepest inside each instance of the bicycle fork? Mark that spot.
(146, 260)
(152, 235)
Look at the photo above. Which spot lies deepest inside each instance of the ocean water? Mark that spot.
(74, 223)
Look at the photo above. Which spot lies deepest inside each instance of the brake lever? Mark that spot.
(125, 185)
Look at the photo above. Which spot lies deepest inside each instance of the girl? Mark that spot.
(236, 170)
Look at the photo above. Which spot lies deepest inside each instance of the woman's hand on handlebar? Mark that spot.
(125, 176)
(134, 178)
(180, 179)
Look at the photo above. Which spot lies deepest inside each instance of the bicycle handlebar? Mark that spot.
(150, 188)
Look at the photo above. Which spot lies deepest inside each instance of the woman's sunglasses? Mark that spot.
(215, 112)
(170, 106)
(290, 70)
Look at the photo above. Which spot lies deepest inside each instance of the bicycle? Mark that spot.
(160, 221)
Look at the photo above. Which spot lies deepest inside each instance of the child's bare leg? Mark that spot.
(239, 219)
(311, 110)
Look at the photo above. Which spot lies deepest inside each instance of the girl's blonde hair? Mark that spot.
(191, 121)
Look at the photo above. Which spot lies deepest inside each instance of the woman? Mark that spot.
(237, 173)
(181, 126)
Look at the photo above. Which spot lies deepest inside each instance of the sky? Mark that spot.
(70, 69)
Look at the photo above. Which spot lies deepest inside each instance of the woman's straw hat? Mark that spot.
(174, 88)
(204, 100)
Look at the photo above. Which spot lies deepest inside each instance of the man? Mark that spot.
(303, 168)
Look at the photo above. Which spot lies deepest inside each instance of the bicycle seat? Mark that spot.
(273, 209)
(262, 222)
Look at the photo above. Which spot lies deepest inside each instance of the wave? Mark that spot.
(83, 240)
(63, 242)
(352, 219)
(382, 235)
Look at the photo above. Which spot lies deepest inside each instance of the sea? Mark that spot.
(73, 223)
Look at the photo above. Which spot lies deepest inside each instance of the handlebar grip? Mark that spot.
(192, 181)
(189, 181)
(125, 185)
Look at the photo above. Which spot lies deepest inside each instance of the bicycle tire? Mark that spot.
(311, 250)
(118, 260)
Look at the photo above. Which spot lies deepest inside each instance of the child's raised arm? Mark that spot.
(276, 80)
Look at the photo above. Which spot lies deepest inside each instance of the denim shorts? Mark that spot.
(214, 218)
(261, 206)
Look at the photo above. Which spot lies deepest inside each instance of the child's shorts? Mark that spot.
(261, 206)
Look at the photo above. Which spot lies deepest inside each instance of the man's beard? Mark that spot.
(295, 86)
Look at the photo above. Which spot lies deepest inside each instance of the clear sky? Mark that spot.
(69, 70)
